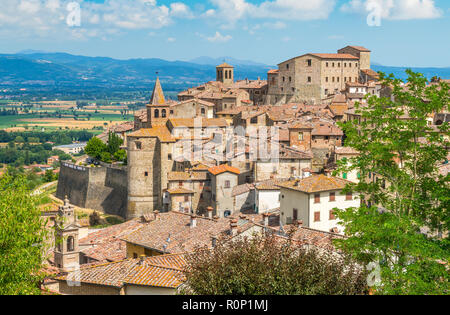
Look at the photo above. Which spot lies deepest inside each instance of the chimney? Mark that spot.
(156, 213)
(234, 227)
(210, 212)
(193, 221)
(141, 260)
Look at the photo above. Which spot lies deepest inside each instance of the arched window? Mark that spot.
(156, 113)
(163, 113)
(70, 244)
(227, 213)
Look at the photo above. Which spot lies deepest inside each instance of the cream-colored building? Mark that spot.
(311, 202)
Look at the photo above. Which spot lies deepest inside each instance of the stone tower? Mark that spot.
(67, 252)
(144, 174)
(158, 107)
(225, 74)
(358, 51)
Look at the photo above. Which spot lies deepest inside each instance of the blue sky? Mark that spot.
(412, 32)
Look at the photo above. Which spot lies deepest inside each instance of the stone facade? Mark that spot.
(313, 77)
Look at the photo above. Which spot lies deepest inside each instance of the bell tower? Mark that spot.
(67, 252)
(225, 74)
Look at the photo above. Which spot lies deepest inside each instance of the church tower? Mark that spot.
(225, 74)
(67, 252)
(158, 107)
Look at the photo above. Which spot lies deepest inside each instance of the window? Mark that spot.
(169, 156)
(326, 91)
(326, 79)
(332, 216)
(345, 65)
(333, 64)
(332, 196)
(287, 66)
(350, 64)
(70, 244)
(300, 136)
(337, 79)
(138, 145)
(309, 79)
(332, 79)
(186, 198)
(180, 184)
(156, 113)
(316, 198)
(327, 64)
(295, 214)
(350, 79)
(227, 184)
(284, 79)
(349, 196)
(135, 255)
(254, 120)
(163, 113)
(171, 112)
(293, 89)
(290, 79)
(309, 61)
(317, 216)
(146, 174)
(339, 64)
(203, 111)
(345, 79)
(227, 213)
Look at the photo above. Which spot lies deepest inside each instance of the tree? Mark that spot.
(114, 143)
(95, 147)
(22, 238)
(49, 176)
(262, 265)
(405, 209)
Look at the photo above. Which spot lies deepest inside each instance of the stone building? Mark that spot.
(223, 179)
(314, 76)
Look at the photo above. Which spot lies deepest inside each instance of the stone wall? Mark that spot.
(102, 188)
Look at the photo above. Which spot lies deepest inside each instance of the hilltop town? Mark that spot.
(227, 159)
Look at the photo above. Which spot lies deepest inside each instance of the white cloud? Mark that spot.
(171, 39)
(396, 10)
(47, 18)
(219, 38)
(233, 10)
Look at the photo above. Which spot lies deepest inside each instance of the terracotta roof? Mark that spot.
(370, 72)
(158, 94)
(360, 48)
(316, 183)
(338, 109)
(216, 170)
(105, 244)
(173, 233)
(160, 131)
(180, 191)
(162, 271)
(224, 65)
(326, 129)
(271, 184)
(242, 189)
(273, 71)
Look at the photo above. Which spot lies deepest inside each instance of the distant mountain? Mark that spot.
(56, 71)
(66, 70)
(232, 61)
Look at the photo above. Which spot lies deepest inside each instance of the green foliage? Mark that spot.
(406, 202)
(106, 152)
(22, 236)
(261, 265)
(95, 147)
(49, 176)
